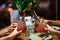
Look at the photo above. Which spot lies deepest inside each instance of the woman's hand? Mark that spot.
(51, 29)
(12, 26)
(12, 35)
(8, 30)
(15, 32)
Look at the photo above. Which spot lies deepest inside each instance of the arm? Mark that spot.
(51, 29)
(54, 22)
(6, 38)
(7, 29)
(3, 32)
(11, 36)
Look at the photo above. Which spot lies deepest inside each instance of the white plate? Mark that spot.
(36, 37)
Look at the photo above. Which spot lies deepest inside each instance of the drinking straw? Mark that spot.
(36, 15)
(41, 21)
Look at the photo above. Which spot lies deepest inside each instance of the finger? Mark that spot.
(46, 21)
(20, 31)
(16, 28)
(12, 28)
(13, 25)
(45, 28)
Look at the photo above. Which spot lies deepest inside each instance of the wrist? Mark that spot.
(13, 34)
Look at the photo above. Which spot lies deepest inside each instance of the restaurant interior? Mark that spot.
(29, 20)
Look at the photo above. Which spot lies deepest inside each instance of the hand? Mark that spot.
(15, 32)
(12, 26)
(8, 30)
(51, 29)
(12, 35)
(20, 26)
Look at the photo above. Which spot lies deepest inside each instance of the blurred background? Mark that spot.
(47, 9)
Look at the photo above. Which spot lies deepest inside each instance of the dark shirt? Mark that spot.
(4, 18)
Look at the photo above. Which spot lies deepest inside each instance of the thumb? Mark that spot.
(15, 29)
(20, 31)
(46, 28)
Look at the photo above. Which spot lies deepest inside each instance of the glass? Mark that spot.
(40, 26)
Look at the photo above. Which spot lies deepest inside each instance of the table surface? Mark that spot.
(35, 36)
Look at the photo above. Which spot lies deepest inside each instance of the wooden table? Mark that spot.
(55, 36)
(33, 37)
